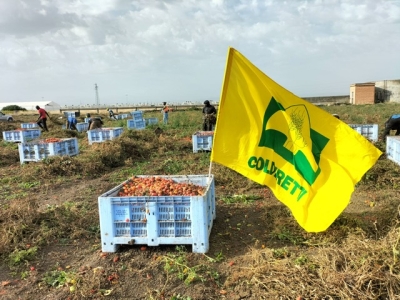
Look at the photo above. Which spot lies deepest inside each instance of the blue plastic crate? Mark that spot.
(137, 115)
(136, 124)
(73, 114)
(150, 121)
(393, 148)
(202, 141)
(369, 131)
(86, 120)
(121, 116)
(38, 150)
(23, 135)
(29, 125)
(82, 126)
(103, 134)
(158, 220)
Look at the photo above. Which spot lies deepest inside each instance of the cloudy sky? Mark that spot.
(149, 51)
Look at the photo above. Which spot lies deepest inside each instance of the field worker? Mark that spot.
(95, 123)
(71, 123)
(41, 121)
(165, 111)
(111, 114)
(393, 123)
(209, 116)
(336, 116)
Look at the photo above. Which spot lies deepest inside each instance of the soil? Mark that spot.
(237, 230)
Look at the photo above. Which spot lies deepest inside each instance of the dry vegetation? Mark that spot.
(50, 242)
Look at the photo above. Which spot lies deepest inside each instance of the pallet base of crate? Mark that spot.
(38, 150)
(202, 141)
(158, 220)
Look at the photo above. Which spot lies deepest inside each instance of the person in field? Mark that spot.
(94, 123)
(209, 116)
(111, 114)
(71, 123)
(393, 123)
(165, 111)
(42, 120)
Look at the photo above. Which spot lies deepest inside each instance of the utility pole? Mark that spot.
(97, 95)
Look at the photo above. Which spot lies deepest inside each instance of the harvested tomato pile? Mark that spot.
(51, 140)
(157, 186)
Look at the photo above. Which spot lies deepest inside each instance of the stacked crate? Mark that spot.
(137, 121)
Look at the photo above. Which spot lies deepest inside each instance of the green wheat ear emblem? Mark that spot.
(298, 135)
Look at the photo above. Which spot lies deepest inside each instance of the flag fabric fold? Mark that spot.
(308, 158)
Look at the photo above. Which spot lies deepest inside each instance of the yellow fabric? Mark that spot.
(310, 159)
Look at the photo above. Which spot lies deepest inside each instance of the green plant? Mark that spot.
(172, 166)
(245, 199)
(280, 253)
(20, 256)
(286, 235)
(179, 265)
(301, 260)
(58, 278)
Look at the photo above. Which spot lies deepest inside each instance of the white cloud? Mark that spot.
(129, 46)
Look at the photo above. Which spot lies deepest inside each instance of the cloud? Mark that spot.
(296, 42)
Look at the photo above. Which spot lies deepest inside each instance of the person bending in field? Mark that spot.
(111, 114)
(71, 123)
(42, 120)
(209, 116)
(94, 123)
(393, 123)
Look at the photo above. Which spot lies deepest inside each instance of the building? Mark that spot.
(47, 105)
(362, 93)
(387, 91)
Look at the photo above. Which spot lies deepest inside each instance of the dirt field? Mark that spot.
(50, 244)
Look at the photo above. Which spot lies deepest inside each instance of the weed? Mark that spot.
(178, 264)
(301, 260)
(58, 278)
(287, 235)
(245, 199)
(19, 256)
(280, 253)
(172, 166)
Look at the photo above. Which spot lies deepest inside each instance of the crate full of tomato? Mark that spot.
(202, 141)
(158, 210)
(103, 134)
(21, 135)
(40, 149)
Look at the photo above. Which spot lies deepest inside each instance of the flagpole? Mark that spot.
(209, 171)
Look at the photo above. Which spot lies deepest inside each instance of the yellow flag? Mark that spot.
(309, 159)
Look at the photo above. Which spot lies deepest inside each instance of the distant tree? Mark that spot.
(13, 108)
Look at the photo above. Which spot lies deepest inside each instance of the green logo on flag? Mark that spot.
(278, 141)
